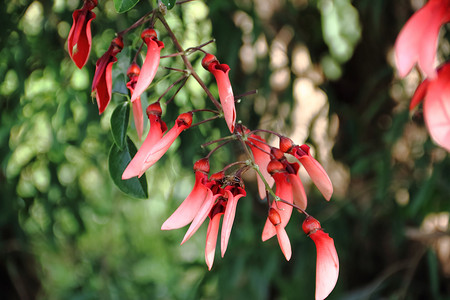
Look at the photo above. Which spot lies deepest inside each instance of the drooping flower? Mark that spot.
(151, 62)
(183, 122)
(79, 40)
(157, 129)
(283, 190)
(436, 107)
(189, 208)
(213, 229)
(417, 41)
(133, 74)
(102, 83)
(260, 151)
(220, 72)
(312, 166)
(327, 264)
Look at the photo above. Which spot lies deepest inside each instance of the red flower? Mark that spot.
(151, 62)
(133, 74)
(157, 129)
(102, 83)
(220, 72)
(79, 40)
(314, 169)
(189, 208)
(213, 229)
(327, 265)
(436, 108)
(262, 158)
(417, 41)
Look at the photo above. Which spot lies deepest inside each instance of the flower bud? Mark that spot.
(117, 44)
(202, 165)
(286, 144)
(185, 119)
(277, 153)
(154, 109)
(274, 216)
(90, 4)
(310, 225)
(133, 70)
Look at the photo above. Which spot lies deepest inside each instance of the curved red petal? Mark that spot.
(283, 241)
(318, 175)
(202, 213)
(138, 117)
(262, 159)
(189, 208)
(162, 146)
(104, 86)
(211, 240)
(220, 72)
(419, 94)
(417, 41)
(149, 68)
(327, 265)
(436, 108)
(157, 128)
(284, 191)
(80, 36)
(298, 191)
(228, 219)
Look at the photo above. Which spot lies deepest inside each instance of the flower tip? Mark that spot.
(310, 225)
(148, 33)
(208, 59)
(133, 70)
(185, 119)
(154, 109)
(286, 144)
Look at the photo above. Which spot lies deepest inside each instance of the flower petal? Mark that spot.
(419, 94)
(138, 117)
(262, 159)
(298, 191)
(201, 215)
(211, 240)
(228, 218)
(80, 36)
(284, 242)
(149, 68)
(327, 265)
(189, 208)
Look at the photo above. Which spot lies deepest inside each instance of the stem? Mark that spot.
(136, 24)
(234, 164)
(187, 62)
(293, 205)
(245, 94)
(170, 87)
(265, 130)
(205, 121)
(137, 53)
(231, 137)
(214, 150)
(178, 89)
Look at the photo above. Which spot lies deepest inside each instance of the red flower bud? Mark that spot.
(310, 225)
(274, 217)
(286, 144)
(277, 153)
(148, 34)
(202, 165)
(133, 70)
(275, 166)
(208, 59)
(154, 109)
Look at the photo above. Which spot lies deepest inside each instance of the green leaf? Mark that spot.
(122, 6)
(169, 3)
(119, 123)
(118, 161)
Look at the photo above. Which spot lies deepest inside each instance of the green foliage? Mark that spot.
(119, 124)
(122, 6)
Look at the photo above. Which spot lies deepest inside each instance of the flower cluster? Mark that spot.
(417, 43)
(214, 196)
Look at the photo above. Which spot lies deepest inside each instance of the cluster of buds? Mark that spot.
(417, 43)
(215, 195)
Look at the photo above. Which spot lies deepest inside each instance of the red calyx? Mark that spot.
(148, 34)
(185, 119)
(286, 144)
(154, 109)
(275, 166)
(310, 225)
(274, 216)
(133, 70)
(277, 153)
(208, 59)
(90, 4)
(117, 44)
(217, 176)
(202, 165)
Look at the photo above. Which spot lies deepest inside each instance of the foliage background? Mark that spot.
(324, 74)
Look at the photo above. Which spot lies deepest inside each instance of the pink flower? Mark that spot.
(417, 41)
(327, 265)
(220, 72)
(133, 74)
(436, 108)
(79, 40)
(102, 83)
(314, 169)
(213, 229)
(157, 129)
(262, 158)
(151, 62)
(189, 208)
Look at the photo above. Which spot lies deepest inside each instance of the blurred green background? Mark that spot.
(324, 74)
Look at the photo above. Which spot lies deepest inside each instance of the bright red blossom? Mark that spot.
(102, 83)
(436, 108)
(220, 72)
(79, 40)
(260, 151)
(417, 41)
(327, 264)
(151, 62)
